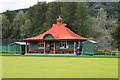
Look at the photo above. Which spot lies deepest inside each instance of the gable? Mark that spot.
(48, 36)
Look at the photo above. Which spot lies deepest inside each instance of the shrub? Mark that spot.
(108, 52)
(4, 52)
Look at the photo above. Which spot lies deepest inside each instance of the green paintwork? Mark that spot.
(70, 46)
(33, 45)
(15, 49)
(48, 36)
(88, 48)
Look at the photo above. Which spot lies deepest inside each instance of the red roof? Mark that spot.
(59, 32)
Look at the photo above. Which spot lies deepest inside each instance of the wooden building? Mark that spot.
(57, 40)
(89, 47)
(17, 48)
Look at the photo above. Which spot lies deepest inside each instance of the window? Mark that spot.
(41, 44)
(48, 36)
(63, 44)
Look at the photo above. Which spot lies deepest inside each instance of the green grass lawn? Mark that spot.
(59, 67)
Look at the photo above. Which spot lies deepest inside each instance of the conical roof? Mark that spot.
(59, 32)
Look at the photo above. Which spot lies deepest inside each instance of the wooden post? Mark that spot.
(44, 47)
(54, 47)
(82, 49)
(26, 48)
(75, 47)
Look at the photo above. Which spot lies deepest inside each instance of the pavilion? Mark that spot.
(57, 40)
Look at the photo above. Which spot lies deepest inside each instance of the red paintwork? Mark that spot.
(55, 50)
(74, 47)
(64, 50)
(51, 51)
(26, 48)
(44, 47)
(59, 32)
(39, 50)
(54, 47)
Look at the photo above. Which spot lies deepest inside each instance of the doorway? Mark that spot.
(23, 49)
(51, 47)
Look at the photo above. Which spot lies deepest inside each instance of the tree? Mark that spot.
(0, 26)
(52, 13)
(26, 29)
(17, 23)
(116, 31)
(6, 28)
(116, 36)
(80, 20)
(68, 11)
(99, 31)
(10, 15)
(36, 14)
(112, 9)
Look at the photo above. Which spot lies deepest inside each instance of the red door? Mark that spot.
(51, 48)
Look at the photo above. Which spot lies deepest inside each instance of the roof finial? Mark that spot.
(59, 17)
(59, 20)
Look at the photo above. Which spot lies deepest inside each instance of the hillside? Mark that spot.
(98, 20)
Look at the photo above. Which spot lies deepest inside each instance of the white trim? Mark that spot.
(92, 41)
(20, 43)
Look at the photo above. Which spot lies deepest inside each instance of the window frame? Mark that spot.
(63, 45)
(41, 45)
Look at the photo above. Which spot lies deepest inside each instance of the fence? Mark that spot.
(4, 44)
(101, 46)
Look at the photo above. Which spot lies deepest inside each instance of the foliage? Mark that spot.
(116, 36)
(26, 29)
(4, 52)
(81, 19)
(108, 52)
(6, 27)
(17, 23)
(100, 32)
(10, 15)
(97, 20)
(54, 10)
(37, 16)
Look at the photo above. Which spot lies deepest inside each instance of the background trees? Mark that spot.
(6, 27)
(54, 10)
(18, 21)
(81, 18)
(97, 20)
(26, 29)
(10, 15)
(100, 30)
(37, 16)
